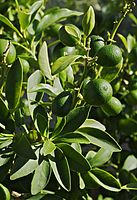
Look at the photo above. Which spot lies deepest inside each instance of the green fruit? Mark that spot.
(7, 51)
(62, 104)
(112, 107)
(97, 43)
(4, 193)
(66, 38)
(132, 97)
(109, 55)
(97, 92)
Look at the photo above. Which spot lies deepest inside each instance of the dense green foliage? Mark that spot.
(68, 100)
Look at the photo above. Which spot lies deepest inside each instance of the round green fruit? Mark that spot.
(62, 104)
(109, 55)
(97, 92)
(97, 43)
(7, 51)
(66, 38)
(112, 107)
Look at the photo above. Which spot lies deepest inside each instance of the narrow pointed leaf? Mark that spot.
(61, 169)
(100, 138)
(8, 23)
(76, 161)
(93, 124)
(63, 62)
(4, 113)
(43, 60)
(14, 84)
(88, 21)
(41, 177)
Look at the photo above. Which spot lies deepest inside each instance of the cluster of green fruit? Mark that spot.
(99, 93)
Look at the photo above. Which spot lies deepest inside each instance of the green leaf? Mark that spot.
(55, 15)
(36, 197)
(100, 138)
(110, 73)
(14, 85)
(73, 31)
(41, 120)
(33, 81)
(131, 41)
(34, 9)
(43, 60)
(61, 169)
(63, 62)
(93, 124)
(75, 118)
(102, 178)
(43, 87)
(75, 137)
(133, 17)
(4, 113)
(22, 146)
(48, 147)
(130, 163)
(41, 177)
(22, 167)
(4, 192)
(76, 161)
(88, 21)
(101, 157)
(123, 39)
(24, 18)
(6, 21)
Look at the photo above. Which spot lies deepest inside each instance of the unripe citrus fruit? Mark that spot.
(7, 51)
(97, 92)
(112, 107)
(62, 104)
(109, 55)
(66, 38)
(97, 43)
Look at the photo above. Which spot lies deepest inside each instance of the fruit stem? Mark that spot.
(126, 9)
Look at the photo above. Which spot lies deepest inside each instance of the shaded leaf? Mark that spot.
(22, 146)
(63, 62)
(123, 39)
(14, 84)
(75, 118)
(8, 23)
(130, 186)
(4, 113)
